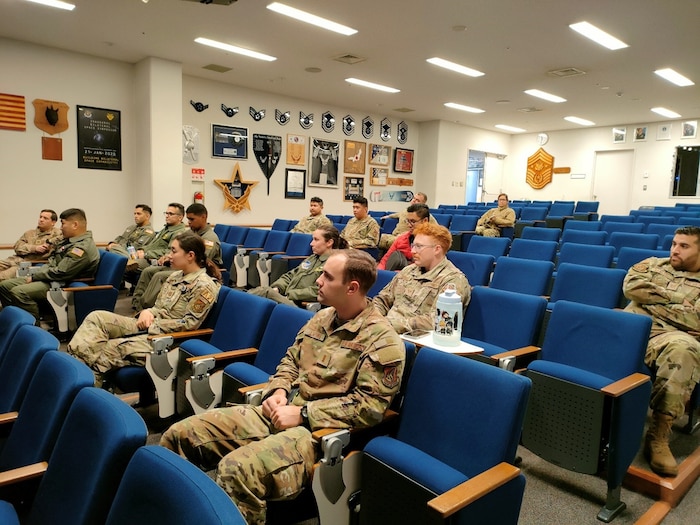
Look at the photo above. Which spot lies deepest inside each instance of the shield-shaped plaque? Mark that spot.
(306, 121)
(50, 116)
(402, 132)
(282, 117)
(539, 169)
(367, 127)
(385, 133)
(267, 150)
(327, 122)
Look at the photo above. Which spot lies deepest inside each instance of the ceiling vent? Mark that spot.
(566, 72)
(217, 68)
(529, 110)
(349, 59)
(217, 2)
(403, 110)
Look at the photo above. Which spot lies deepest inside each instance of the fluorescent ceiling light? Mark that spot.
(55, 3)
(303, 16)
(598, 35)
(665, 112)
(506, 127)
(462, 107)
(581, 121)
(544, 95)
(674, 77)
(464, 70)
(234, 49)
(372, 85)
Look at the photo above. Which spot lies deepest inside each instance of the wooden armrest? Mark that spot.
(252, 388)
(518, 352)
(88, 288)
(248, 250)
(273, 253)
(182, 335)
(464, 494)
(625, 384)
(17, 475)
(8, 417)
(293, 257)
(222, 356)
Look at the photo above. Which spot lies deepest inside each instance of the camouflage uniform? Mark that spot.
(362, 233)
(152, 277)
(159, 246)
(673, 352)
(311, 223)
(25, 250)
(486, 227)
(102, 340)
(387, 239)
(298, 284)
(408, 301)
(136, 236)
(73, 258)
(347, 375)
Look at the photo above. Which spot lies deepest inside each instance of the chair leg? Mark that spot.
(613, 505)
(693, 424)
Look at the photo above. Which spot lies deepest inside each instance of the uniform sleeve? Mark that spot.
(283, 282)
(507, 220)
(25, 245)
(199, 304)
(306, 289)
(483, 218)
(639, 287)
(685, 318)
(378, 380)
(75, 263)
(121, 238)
(384, 300)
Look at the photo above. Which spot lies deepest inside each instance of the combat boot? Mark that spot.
(656, 448)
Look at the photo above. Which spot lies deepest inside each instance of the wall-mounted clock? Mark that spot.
(542, 139)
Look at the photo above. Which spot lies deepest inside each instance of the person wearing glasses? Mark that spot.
(408, 301)
(160, 245)
(386, 240)
(491, 222)
(137, 235)
(399, 254)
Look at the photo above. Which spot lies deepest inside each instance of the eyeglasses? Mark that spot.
(411, 222)
(169, 213)
(419, 247)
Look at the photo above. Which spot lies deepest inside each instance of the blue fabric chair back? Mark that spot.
(56, 382)
(584, 237)
(255, 238)
(541, 234)
(616, 218)
(629, 256)
(588, 285)
(276, 241)
(388, 225)
(99, 437)
(281, 224)
(583, 225)
(241, 322)
(235, 235)
(443, 219)
(299, 244)
(648, 220)
(626, 227)
(476, 266)
(586, 254)
(586, 207)
(490, 309)
(533, 213)
(24, 352)
(11, 318)
(384, 277)
(561, 209)
(228, 252)
(109, 272)
(463, 223)
(524, 276)
(662, 230)
(161, 488)
(221, 230)
(495, 246)
(533, 249)
(634, 240)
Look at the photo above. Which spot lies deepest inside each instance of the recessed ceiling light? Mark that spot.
(303, 16)
(372, 85)
(234, 49)
(462, 107)
(544, 95)
(665, 112)
(674, 77)
(464, 70)
(55, 3)
(506, 127)
(580, 121)
(598, 35)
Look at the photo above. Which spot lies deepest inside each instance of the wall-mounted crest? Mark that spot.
(199, 106)
(367, 127)
(50, 116)
(402, 132)
(229, 112)
(306, 121)
(385, 132)
(327, 122)
(257, 115)
(282, 118)
(348, 125)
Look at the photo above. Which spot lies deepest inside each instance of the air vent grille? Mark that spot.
(217, 68)
(349, 58)
(566, 72)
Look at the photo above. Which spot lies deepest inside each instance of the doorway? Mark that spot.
(612, 181)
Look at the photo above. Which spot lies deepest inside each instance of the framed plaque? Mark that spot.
(354, 155)
(354, 187)
(229, 142)
(403, 160)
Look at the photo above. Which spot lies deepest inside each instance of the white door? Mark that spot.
(612, 181)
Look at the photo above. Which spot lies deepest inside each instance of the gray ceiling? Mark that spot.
(515, 42)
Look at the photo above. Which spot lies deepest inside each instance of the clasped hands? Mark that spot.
(282, 414)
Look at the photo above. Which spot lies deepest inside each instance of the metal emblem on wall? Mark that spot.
(229, 112)
(199, 106)
(306, 121)
(50, 116)
(348, 125)
(327, 122)
(367, 127)
(282, 118)
(267, 150)
(257, 115)
(402, 132)
(385, 133)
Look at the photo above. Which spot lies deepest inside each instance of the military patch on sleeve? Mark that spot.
(203, 301)
(208, 244)
(149, 232)
(641, 267)
(78, 252)
(391, 377)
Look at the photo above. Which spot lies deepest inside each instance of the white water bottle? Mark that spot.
(448, 317)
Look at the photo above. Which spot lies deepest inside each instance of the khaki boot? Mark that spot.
(656, 448)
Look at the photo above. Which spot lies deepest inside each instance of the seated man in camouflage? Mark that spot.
(408, 301)
(137, 235)
(34, 245)
(267, 452)
(491, 222)
(314, 220)
(668, 290)
(362, 231)
(387, 239)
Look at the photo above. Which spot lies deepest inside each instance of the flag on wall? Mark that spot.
(12, 113)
